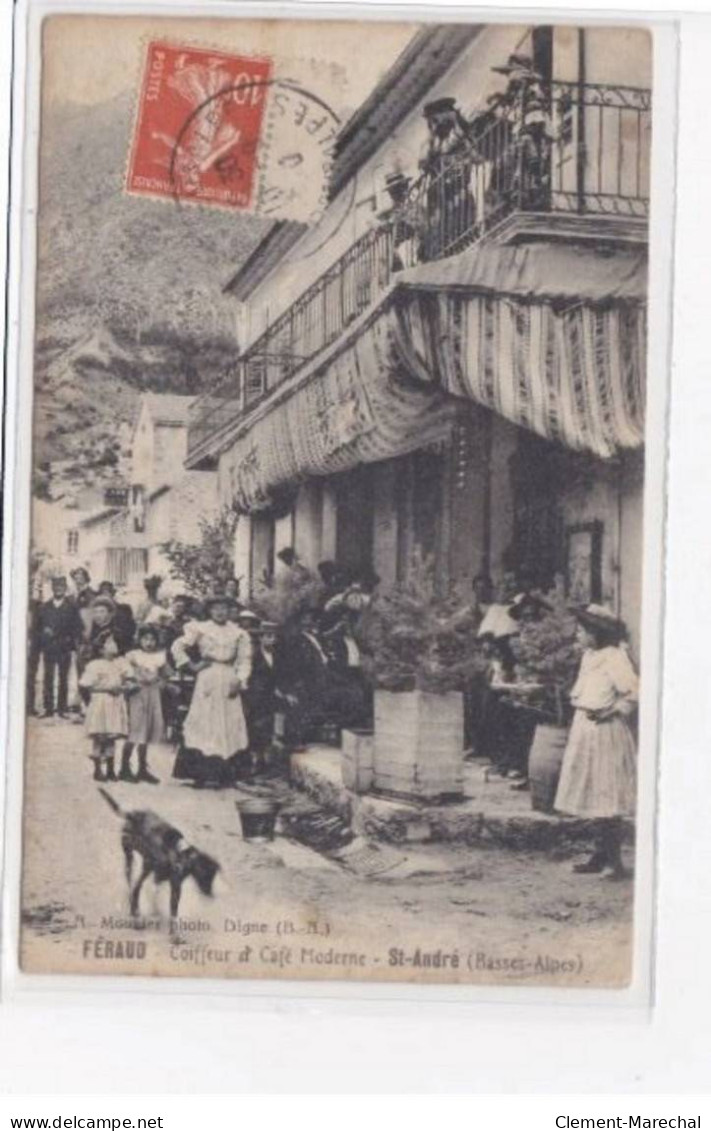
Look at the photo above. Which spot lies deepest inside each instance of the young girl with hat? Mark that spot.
(598, 775)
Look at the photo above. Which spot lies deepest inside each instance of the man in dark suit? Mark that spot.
(60, 630)
(260, 699)
(303, 679)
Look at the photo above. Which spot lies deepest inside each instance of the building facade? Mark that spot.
(452, 360)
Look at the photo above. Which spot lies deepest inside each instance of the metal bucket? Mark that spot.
(258, 818)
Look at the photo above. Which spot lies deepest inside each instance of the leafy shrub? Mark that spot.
(414, 637)
(204, 567)
(547, 652)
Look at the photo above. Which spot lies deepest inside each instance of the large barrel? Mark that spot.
(544, 763)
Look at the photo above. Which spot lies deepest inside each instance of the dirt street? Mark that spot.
(442, 913)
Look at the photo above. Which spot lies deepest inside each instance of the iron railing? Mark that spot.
(585, 150)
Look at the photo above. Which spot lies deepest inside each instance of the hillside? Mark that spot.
(129, 293)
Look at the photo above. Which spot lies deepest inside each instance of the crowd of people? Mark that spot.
(229, 688)
(234, 691)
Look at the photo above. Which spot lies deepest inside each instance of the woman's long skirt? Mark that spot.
(215, 724)
(598, 775)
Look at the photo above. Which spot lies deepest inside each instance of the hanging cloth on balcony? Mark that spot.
(356, 406)
(552, 339)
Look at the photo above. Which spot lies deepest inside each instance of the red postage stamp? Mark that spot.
(198, 126)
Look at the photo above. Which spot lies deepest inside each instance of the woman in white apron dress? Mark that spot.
(220, 655)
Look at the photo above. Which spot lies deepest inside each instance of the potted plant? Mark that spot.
(287, 596)
(547, 654)
(419, 652)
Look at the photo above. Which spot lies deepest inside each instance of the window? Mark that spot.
(72, 542)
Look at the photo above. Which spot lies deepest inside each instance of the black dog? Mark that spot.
(165, 855)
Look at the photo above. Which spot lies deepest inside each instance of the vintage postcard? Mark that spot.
(333, 632)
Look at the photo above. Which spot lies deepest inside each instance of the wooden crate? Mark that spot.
(357, 760)
(419, 744)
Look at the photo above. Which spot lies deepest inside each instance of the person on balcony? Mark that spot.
(219, 654)
(447, 164)
(401, 219)
(525, 105)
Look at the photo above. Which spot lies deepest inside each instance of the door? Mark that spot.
(355, 505)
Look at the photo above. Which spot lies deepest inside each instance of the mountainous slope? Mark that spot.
(129, 290)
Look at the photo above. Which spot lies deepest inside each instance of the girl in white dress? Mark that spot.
(598, 775)
(220, 655)
(149, 671)
(106, 679)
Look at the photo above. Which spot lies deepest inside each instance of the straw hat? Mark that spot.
(439, 106)
(599, 618)
(519, 65)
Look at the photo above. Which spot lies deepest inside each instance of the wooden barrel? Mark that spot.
(544, 763)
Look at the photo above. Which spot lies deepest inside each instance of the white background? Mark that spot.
(68, 1044)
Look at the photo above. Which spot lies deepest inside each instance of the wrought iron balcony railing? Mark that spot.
(579, 149)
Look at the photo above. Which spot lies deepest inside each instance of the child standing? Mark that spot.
(104, 678)
(149, 671)
(597, 777)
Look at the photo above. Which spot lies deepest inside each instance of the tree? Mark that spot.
(205, 567)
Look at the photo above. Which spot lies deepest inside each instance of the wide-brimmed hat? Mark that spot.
(248, 617)
(599, 618)
(439, 106)
(518, 65)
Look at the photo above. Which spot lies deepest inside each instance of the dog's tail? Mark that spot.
(110, 801)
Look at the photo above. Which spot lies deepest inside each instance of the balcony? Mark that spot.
(578, 168)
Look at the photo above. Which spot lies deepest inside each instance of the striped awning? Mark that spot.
(358, 405)
(552, 339)
(573, 374)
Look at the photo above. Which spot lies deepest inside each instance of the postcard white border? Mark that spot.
(616, 1005)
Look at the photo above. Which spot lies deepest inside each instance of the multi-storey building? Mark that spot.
(453, 357)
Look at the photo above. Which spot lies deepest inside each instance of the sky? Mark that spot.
(89, 58)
